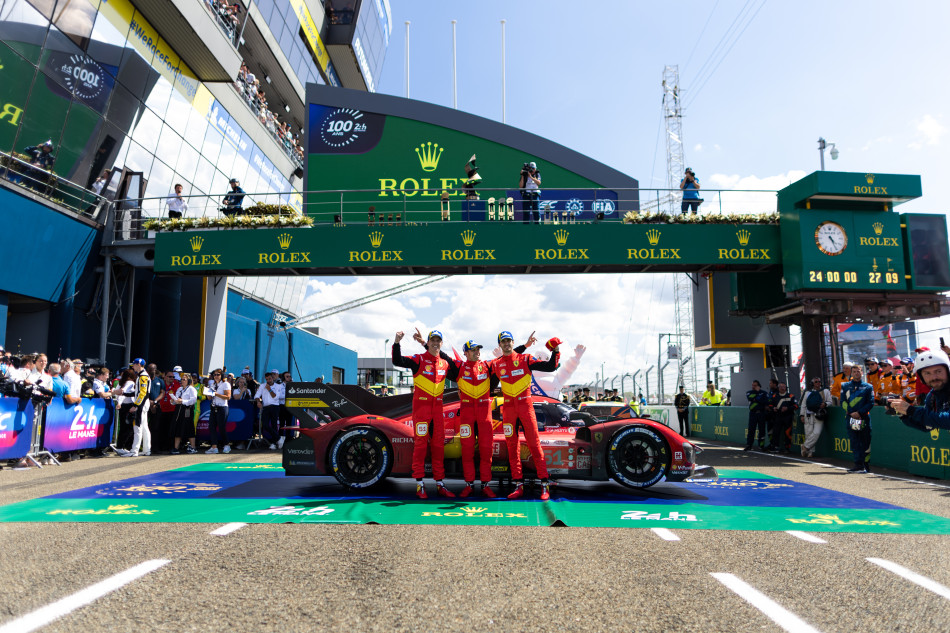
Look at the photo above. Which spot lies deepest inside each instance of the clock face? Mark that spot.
(831, 238)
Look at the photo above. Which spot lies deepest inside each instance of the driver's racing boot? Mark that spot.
(421, 491)
(443, 491)
(487, 491)
(545, 491)
(467, 490)
(518, 493)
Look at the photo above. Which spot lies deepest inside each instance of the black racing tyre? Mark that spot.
(360, 457)
(637, 457)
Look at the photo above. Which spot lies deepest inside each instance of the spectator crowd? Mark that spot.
(249, 87)
(157, 412)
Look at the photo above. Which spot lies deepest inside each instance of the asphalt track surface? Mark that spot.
(339, 577)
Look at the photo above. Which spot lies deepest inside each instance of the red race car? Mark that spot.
(361, 439)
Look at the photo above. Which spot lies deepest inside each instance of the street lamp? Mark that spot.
(822, 144)
(385, 346)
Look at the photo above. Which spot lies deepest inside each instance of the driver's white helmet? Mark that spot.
(931, 359)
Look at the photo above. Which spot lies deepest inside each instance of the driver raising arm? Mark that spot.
(476, 381)
(428, 383)
(514, 372)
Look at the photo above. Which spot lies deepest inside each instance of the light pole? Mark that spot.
(822, 144)
(385, 346)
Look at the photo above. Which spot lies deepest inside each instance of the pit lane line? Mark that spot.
(771, 609)
(227, 528)
(45, 615)
(914, 577)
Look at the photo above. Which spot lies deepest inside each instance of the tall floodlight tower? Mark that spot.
(683, 284)
(673, 116)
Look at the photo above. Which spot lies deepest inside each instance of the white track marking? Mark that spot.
(227, 528)
(774, 611)
(666, 535)
(805, 536)
(914, 577)
(44, 615)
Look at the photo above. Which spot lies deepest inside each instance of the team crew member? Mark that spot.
(934, 369)
(909, 381)
(429, 371)
(874, 375)
(514, 373)
(681, 402)
(139, 409)
(857, 399)
(890, 383)
(840, 379)
(758, 401)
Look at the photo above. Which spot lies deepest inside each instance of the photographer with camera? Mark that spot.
(690, 186)
(814, 411)
(934, 369)
(530, 185)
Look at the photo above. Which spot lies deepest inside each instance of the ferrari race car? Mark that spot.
(361, 439)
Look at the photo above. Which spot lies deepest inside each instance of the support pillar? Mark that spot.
(813, 348)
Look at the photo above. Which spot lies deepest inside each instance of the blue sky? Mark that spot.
(760, 83)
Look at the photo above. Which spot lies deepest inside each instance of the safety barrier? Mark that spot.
(241, 424)
(893, 445)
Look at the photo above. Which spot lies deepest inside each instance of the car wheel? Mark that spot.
(360, 457)
(637, 457)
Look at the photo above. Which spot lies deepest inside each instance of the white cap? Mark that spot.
(177, 368)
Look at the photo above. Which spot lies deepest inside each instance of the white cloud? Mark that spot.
(740, 193)
(929, 132)
(698, 147)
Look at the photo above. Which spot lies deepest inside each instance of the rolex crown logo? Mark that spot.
(375, 238)
(561, 236)
(869, 178)
(653, 236)
(468, 237)
(743, 235)
(284, 240)
(429, 154)
(878, 228)
(935, 434)
(472, 510)
(196, 243)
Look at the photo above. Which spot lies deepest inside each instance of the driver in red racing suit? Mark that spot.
(476, 381)
(514, 374)
(428, 383)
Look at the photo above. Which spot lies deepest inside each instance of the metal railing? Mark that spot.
(47, 184)
(383, 207)
(271, 124)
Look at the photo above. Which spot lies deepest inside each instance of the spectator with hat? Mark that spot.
(842, 377)
(921, 387)
(530, 186)
(890, 382)
(681, 402)
(873, 373)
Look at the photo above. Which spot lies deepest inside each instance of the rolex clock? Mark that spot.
(831, 238)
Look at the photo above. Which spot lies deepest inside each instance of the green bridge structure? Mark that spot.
(399, 187)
